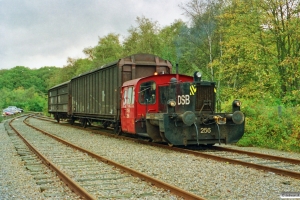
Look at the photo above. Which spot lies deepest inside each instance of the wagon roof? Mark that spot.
(98, 68)
(135, 59)
(61, 84)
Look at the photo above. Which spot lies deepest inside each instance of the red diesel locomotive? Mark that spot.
(171, 108)
(179, 110)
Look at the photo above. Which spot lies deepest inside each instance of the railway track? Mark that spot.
(46, 180)
(81, 170)
(269, 163)
(274, 164)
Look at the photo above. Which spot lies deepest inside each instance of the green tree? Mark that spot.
(245, 65)
(167, 41)
(281, 21)
(26, 78)
(64, 74)
(143, 38)
(108, 49)
(45, 74)
(202, 40)
(28, 99)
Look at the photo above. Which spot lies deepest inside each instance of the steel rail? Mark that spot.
(219, 158)
(160, 184)
(259, 155)
(65, 178)
(227, 160)
(247, 164)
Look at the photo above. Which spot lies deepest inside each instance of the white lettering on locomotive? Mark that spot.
(183, 99)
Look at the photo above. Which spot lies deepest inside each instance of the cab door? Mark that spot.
(128, 110)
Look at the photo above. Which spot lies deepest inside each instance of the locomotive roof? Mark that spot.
(165, 76)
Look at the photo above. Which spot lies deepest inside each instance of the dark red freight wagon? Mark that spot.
(96, 94)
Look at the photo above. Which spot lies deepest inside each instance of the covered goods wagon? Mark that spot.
(59, 101)
(96, 94)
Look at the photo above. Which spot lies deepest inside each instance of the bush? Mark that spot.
(271, 127)
(275, 127)
(27, 99)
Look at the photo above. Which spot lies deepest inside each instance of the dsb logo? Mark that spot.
(183, 99)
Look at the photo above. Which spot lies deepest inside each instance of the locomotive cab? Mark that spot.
(139, 98)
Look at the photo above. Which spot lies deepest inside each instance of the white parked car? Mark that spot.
(14, 109)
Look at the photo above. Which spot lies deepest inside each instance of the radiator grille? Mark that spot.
(205, 98)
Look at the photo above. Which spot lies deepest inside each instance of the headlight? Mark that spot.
(172, 103)
(236, 105)
(197, 76)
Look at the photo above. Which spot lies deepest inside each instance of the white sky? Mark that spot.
(38, 33)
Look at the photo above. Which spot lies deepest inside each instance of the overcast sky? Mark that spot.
(38, 33)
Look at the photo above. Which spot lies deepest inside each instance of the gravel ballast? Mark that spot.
(15, 181)
(23, 173)
(206, 178)
(101, 180)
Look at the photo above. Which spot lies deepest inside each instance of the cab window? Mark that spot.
(128, 96)
(147, 93)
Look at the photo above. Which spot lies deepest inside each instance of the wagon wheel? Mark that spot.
(72, 121)
(56, 117)
(84, 123)
(210, 145)
(118, 130)
(105, 125)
